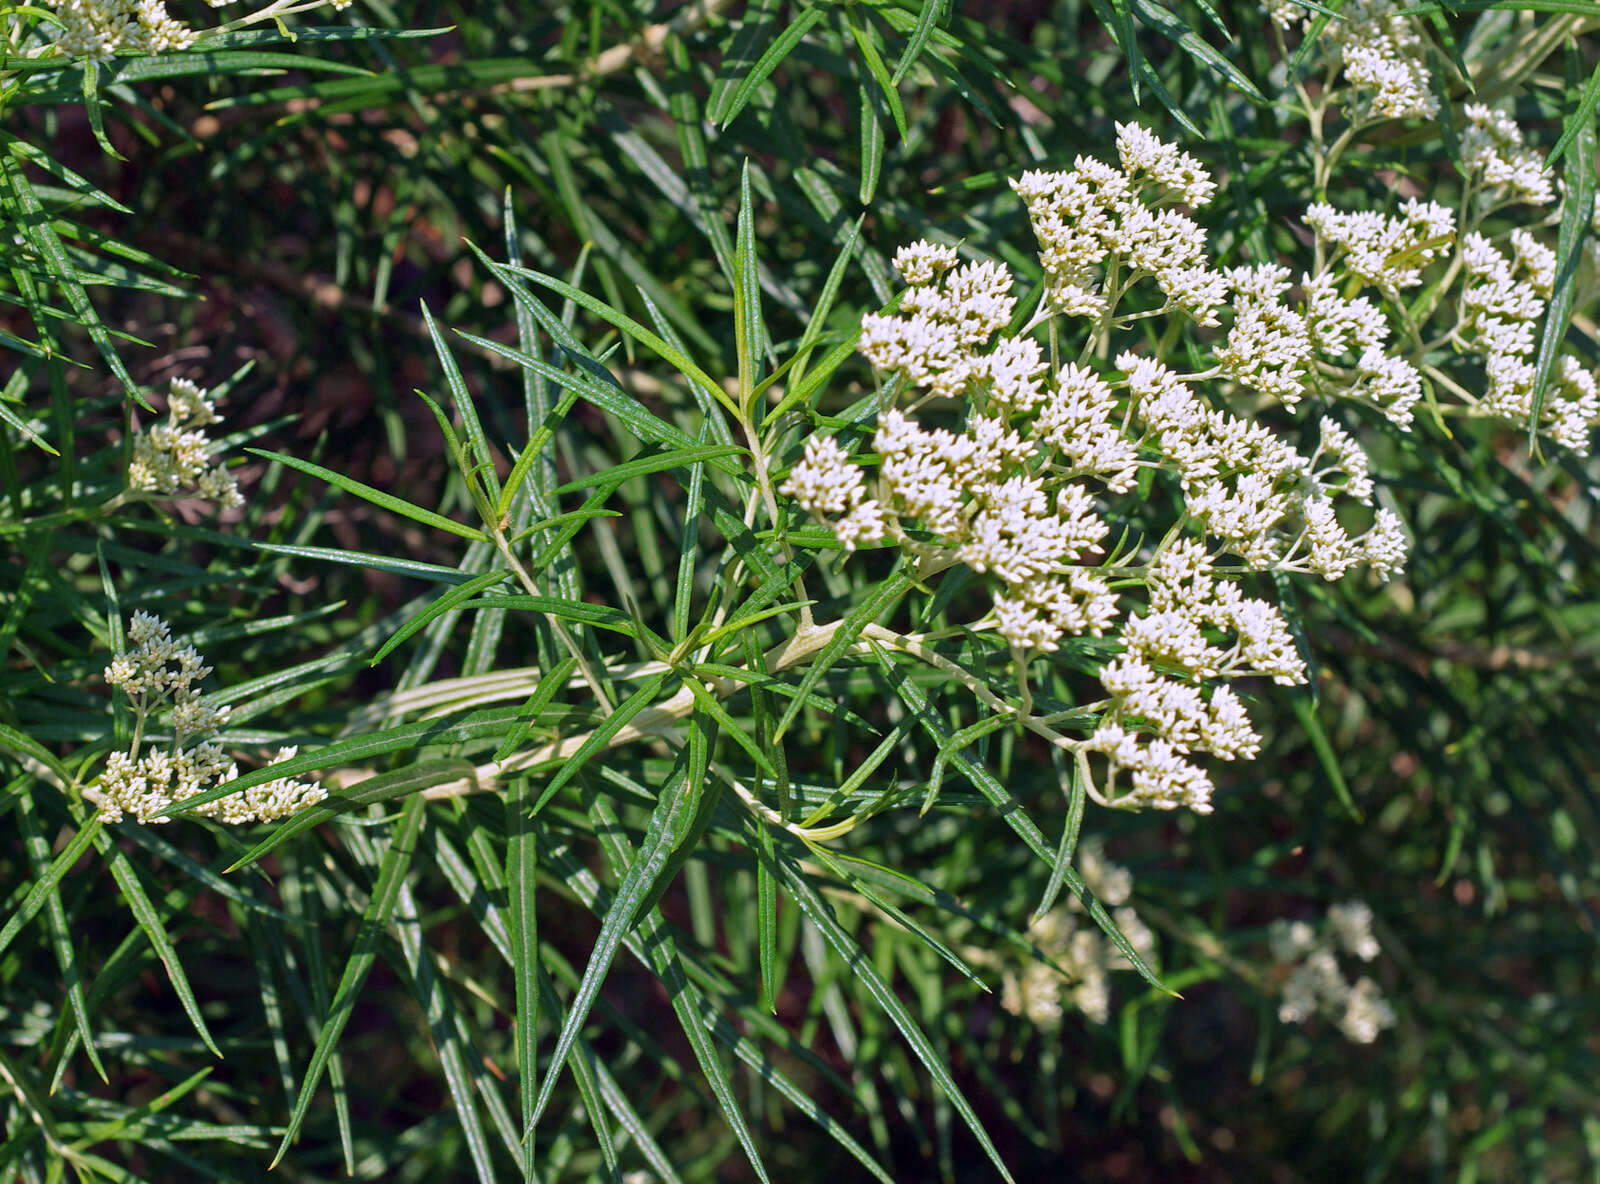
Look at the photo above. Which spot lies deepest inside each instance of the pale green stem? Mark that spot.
(557, 626)
(758, 452)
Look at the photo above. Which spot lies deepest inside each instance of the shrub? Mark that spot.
(950, 596)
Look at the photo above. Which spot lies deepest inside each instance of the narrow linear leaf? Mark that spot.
(145, 915)
(768, 62)
(602, 736)
(45, 884)
(862, 971)
(673, 810)
(377, 497)
(450, 600)
(677, 458)
(374, 923)
(521, 872)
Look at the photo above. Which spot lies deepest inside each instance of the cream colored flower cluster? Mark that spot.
(1073, 959)
(1383, 54)
(1504, 290)
(156, 670)
(100, 30)
(1101, 228)
(1025, 484)
(1505, 278)
(1312, 982)
(174, 457)
(1496, 159)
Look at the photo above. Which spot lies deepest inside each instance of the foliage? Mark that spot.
(664, 835)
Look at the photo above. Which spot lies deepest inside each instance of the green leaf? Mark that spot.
(673, 812)
(1577, 211)
(374, 923)
(38, 850)
(1326, 757)
(26, 747)
(144, 913)
(861, 33)
(1069, 841)
(551, 683)
(404, 567)
(601, 616)
(768, 62)
(927, 18)
(862, 971)
(749, 331)
(602, 736)
(1182, 33)
(677, 458)
(32, 221)
(377, 497)
(755, 29)
(633, 414)
(626, 324)
(45, 883)
(93, 108)
(450, 600)
(863, 613)
(766, 915)
(79, 184)
(456, 1051)
(521, 871)
(872, 144)
(1578, 7)
(846, 869)
(1582, 116)
(707, 702)
(683, 592)
(662, 955)
(464, 408)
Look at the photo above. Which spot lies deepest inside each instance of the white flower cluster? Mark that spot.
(986, 496)
(1503, 300)
(1101, 228)
(1022, 486)
(1384, 57)
(158, 669)
(1505, 280)
(1074, 959)
(176, 456)
(1312, 982)
(1389, 252)
(99, 30)
(1253, 491)
(1160, 713)
(1098, 236)
(1494, 156)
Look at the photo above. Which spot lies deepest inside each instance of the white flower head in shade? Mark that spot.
(1069, 966)
(158, 670)
(1313, 984)
(1493, 155)
(1384, 57)
(176, 457)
